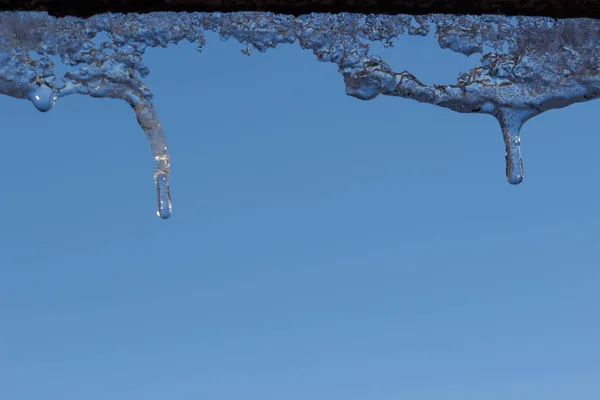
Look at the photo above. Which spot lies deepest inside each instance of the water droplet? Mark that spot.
(42, 97)
(164, 196)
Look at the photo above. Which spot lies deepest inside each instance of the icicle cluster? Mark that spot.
(528, 65)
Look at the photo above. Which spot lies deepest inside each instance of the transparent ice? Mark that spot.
(528, 64)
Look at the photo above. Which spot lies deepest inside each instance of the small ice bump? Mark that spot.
(42, 97)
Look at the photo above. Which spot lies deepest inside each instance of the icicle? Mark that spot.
(511, 122)
(511, 127)
(163, 195)
(149, 122)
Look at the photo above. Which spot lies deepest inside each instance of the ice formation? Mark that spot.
(528, 64)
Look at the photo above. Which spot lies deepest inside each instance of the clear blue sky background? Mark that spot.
(321, 247)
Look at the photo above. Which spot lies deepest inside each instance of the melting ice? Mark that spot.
(528, 65)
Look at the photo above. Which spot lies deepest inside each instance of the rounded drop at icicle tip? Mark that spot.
(42, 97)
(163, 196)
(514, 163)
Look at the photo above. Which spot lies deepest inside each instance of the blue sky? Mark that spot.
(321, 247)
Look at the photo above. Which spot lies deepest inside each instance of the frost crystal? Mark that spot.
(528, 65)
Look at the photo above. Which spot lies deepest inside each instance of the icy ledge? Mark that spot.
(528, 65)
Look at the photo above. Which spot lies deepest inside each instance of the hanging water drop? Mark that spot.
(163, 196)
(42, 97)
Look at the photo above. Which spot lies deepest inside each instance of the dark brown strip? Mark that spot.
(84, 8)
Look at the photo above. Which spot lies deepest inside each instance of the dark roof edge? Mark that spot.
(86, 8)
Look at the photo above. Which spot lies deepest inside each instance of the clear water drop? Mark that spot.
(42, 97)
(164, 196)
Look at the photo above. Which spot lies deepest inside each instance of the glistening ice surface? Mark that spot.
(528, 65)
